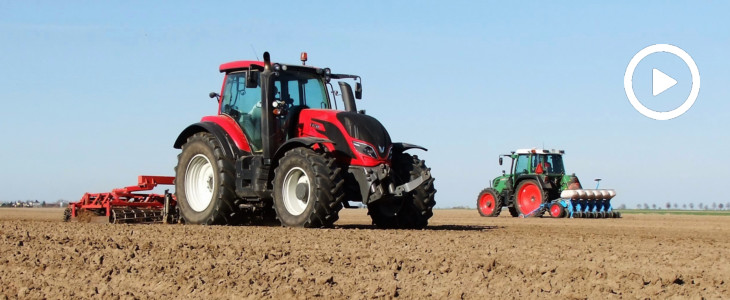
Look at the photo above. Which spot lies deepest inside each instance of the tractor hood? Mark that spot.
(361, 137)
(366, 128)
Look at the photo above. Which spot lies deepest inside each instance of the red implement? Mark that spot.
(126, 205)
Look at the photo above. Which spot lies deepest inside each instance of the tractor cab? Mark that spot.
(534, 162)
(295, 88)
(293, 91)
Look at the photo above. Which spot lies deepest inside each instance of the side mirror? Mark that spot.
(358, 90)
(213, 95)
(251, 78)
(500, 160)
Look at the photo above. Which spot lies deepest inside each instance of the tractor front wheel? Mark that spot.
(307, 189)
(488, 203)
(529, 199)
(413, 209)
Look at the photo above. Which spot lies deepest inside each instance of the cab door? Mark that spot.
(243, 105)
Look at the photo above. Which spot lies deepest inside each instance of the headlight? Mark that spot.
(365, 149)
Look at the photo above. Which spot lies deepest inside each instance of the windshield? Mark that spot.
(550, 163)
(301, 89)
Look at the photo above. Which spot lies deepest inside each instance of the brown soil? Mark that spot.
(461, 255)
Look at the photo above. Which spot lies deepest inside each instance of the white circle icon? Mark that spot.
(629, 86)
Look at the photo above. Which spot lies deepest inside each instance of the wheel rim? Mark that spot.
(486, 204)
(555, 210)
(199, 183)
(529, 198)
(296, 191)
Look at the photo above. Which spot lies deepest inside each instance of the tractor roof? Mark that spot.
(244, 64)
(240, 65)
(536, 150)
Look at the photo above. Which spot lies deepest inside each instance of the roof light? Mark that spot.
(303, 58)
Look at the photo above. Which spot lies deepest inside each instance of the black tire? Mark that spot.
(539, 210)
(413, 209)
(488, 203)
(67, 214)
(202, 158)
(557, 210)
(617, 214)
(513, 211)
(314, 204)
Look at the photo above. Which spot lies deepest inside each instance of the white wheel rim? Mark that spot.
(292, 203)
(199, 183)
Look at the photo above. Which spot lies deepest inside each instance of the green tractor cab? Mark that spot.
(537, 183)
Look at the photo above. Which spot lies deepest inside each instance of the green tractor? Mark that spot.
(537, 184)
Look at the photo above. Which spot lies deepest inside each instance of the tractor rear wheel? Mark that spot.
(308, 189)
(205, 182)
(557, 210)
(529, 198)
(413, 209)
(488, 203)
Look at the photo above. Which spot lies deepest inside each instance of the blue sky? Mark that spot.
(94, 93)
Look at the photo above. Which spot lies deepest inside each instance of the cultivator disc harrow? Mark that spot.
(127, 205)
(136, 215)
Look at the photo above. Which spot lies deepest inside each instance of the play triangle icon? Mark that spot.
(661, 82)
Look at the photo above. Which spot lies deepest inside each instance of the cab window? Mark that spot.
(522, 165)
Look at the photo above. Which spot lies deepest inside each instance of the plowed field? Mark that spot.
(460, 255)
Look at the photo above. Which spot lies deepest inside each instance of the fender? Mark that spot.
(220, 134)
(402, 147)
(299, 142)
(537, 178)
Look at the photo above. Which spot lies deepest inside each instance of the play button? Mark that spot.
(661, 82)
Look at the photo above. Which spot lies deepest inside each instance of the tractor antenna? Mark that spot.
(254, 52)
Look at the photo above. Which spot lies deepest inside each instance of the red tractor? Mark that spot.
(278, 150)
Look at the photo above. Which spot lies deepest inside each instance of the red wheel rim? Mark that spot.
(555, 210)
(486, 204)
(529, 198)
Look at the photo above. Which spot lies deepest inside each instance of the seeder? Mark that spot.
(584, 204)
(127, 205)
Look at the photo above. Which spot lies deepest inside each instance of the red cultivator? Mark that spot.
(126, 205)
